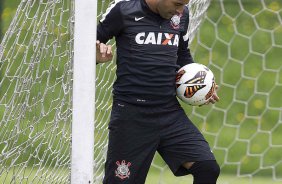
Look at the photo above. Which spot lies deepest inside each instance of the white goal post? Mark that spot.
(84, 69)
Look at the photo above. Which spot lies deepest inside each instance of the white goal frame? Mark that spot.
(82, 154)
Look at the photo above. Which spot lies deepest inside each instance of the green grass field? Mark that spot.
(154, 177)
(243, 48)
(167, 178)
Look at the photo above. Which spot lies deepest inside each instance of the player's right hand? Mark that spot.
(103, 52)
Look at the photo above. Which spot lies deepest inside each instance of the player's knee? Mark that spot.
(205, 172)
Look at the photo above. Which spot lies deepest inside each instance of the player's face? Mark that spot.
(168, 8)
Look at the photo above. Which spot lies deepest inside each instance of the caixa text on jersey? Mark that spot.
(157, 38)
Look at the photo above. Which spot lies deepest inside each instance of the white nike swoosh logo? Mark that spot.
(138, 18)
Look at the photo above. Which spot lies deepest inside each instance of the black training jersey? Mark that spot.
(150, 49)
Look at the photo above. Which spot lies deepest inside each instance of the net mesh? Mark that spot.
(35, 95)
(239, 40)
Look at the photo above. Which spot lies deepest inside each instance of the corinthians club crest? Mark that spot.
(175, 21)
(122, 170)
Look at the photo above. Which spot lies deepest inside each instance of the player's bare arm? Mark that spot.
(103, 52)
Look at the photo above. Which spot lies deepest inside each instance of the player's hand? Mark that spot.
(214, 98)
(103, 52)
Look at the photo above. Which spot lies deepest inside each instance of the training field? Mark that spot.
(239, 40)
(156, 177)
(168, 178)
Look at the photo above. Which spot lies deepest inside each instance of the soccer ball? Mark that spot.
(195, 84)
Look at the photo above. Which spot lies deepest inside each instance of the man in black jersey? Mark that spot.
(146, 117)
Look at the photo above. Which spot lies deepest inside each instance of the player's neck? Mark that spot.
(152, 5)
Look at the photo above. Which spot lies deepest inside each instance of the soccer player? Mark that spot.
(146, 116)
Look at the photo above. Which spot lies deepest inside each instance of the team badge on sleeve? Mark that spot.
(122, 170)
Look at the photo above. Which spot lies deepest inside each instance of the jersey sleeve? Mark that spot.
(111, 23)
(183, 53)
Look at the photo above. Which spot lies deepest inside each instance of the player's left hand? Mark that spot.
(214, 98)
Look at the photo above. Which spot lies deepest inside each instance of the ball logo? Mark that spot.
(122, 170)
(175, 21)
(198, 80)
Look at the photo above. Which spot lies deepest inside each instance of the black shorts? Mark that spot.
(136, 133)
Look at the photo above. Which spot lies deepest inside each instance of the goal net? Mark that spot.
(36, 93)
(240, 40)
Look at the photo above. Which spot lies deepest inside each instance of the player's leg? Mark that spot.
(188, 165)
(204, 172)
(182, 144)
(132, 144)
